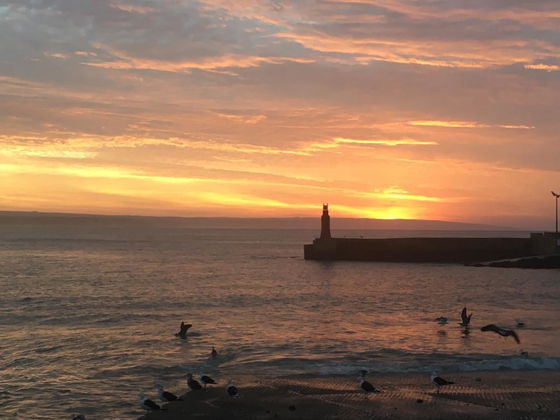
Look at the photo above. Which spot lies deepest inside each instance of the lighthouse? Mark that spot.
(325, 223)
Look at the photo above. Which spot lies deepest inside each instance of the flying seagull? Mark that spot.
(466, 319)
(205, 379)
(193, 383)
(366, 386)
(231, 389)
(502, 331)
(554, 194)
(183, 330)
(439, 381)
(165, 396)
(147, 404)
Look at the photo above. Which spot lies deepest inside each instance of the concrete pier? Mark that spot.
(440, 250)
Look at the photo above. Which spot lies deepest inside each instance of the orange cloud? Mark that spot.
(131, 8)
(399, 142)
(545, 67)
(126, 61)
(466, 124)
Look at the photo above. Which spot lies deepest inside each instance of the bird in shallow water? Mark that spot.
(441, 320)
(213, 353)
(366, 386)
(165, 396)
(439, 381)
(231, 389)
(465, 319)
(148, 404)
(504, 332)
(183, 330)
(193, 383)
(205, 379)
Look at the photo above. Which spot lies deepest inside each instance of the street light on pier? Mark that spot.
(556, 196)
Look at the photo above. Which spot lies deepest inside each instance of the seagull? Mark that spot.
(165, 396)
(231, 389)
(554, 194)
(205, 379)
(441, 320)
(439, 381)
(213, 353)
(366, 386)
(193, 383)
(520, 324)
(464, 318)
(147, 404)
(183, 330)
(502, 331)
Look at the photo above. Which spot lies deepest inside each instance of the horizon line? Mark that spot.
(57, 213)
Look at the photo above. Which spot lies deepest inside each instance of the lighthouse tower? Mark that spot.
(325, 223)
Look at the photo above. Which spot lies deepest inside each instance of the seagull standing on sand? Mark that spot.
(366, 386)
(193, 384)
(231, 389)
(504, 332)
(147, 404)
(205, 379)
(165, 396)
(183, 330)
(465, 320)
(439, 381)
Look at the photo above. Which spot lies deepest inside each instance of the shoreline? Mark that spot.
(480, 395)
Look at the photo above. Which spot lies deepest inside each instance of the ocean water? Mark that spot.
(88, 313)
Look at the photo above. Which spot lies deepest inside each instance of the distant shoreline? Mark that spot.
(11, 217)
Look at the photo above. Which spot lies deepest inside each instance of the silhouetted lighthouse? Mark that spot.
(325, 223)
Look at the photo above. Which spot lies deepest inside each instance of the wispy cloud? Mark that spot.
(468, 124)
(399, 142)
(121, 60)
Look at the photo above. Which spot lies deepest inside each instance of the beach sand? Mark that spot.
(475, 395)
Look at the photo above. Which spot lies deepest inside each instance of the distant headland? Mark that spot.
(539, 250)
(310, 223)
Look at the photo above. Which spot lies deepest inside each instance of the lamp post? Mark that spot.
(556, 196)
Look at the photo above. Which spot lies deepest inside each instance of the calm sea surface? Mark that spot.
(88, 313)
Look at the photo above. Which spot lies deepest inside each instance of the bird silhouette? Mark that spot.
(183, 330)
(466, 319)
(439, 381)
(504, 332)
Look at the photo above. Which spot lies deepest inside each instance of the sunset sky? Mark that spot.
(427, 109)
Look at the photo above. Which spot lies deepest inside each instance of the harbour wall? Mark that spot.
(443, 250)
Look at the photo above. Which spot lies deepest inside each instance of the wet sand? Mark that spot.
(475, 395)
